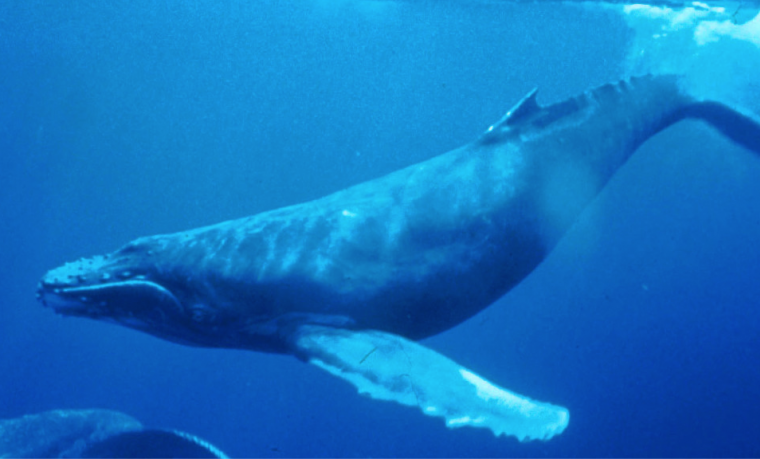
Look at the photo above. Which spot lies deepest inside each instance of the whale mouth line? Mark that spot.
(95, 300)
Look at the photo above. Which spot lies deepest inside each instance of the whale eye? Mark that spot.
(200, 312)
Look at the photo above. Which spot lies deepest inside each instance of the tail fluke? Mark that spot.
(741, 128)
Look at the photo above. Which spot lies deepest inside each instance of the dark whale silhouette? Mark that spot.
(95, 433)
(348, 281)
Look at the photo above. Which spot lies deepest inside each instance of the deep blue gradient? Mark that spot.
(123, 119)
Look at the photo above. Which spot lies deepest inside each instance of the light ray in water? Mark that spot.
(718, 54)
(729, 5)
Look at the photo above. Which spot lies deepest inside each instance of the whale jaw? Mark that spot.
(98, 286)
(114, 289)
(106, 299)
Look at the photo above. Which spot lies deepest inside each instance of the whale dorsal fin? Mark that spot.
(389, 367)
(524, 109)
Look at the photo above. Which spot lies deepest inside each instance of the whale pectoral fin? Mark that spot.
(389, 367)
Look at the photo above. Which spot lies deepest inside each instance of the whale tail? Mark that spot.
(734, 123)
(656, 101)
(744, 129)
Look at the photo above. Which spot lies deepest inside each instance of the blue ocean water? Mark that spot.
(125, 119)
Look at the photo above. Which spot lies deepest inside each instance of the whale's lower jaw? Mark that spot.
(65, 305)
(107, 300)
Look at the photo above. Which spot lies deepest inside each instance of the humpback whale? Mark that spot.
(95, 433)
(351, 281)
(61, 433)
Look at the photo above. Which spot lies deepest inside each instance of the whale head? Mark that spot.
(141, 286)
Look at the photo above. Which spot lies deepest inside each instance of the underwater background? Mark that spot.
(131, 118)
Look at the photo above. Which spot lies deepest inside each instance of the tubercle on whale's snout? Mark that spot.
(101, 269)
(75, 272)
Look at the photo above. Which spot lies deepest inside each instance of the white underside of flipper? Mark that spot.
(389, 367)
